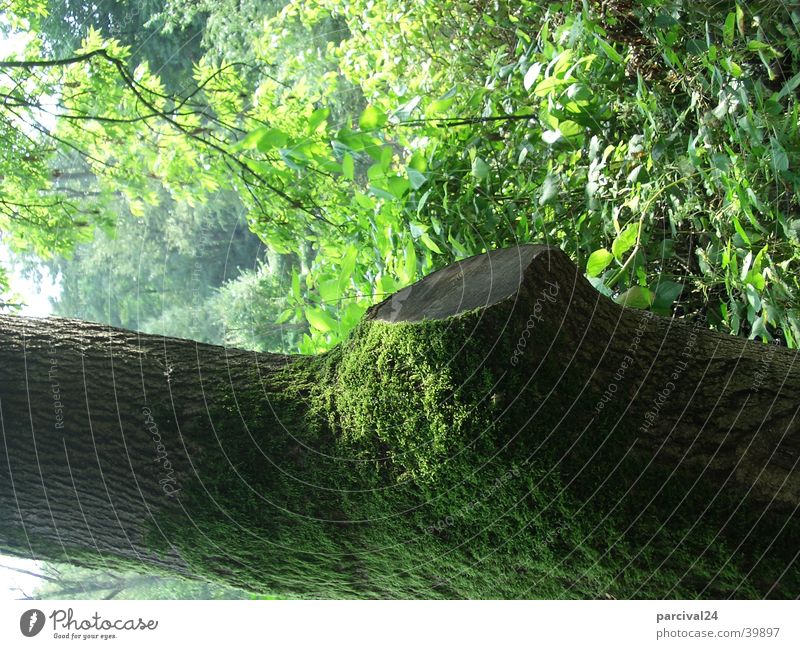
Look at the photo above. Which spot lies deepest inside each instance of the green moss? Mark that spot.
(407, 463)
(399, 392)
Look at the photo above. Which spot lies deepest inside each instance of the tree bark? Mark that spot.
(499, 429)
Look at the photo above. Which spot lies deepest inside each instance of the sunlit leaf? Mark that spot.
(479, 168)
(371, 118)
(549, 189)
(430, 244)
(317, 118)
(319, 319)
(598, 261)
(348, 167)
(272, 138)
(625, 240)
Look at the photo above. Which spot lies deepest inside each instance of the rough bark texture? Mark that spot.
(499, 429)
(98, 429)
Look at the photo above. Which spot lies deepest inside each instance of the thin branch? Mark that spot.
(54, 63)
(140, 92)
(442, 122)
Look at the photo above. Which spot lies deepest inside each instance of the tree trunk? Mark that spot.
(499, 429)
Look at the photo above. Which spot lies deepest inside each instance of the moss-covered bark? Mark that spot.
(483, 453)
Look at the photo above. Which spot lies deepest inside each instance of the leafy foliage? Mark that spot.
(655, 143)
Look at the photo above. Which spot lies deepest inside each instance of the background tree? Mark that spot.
(170, 53)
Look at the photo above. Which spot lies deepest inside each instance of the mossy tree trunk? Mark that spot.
(499, 429)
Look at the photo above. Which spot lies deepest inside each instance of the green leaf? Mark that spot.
(479, 168)
(442, 104)
(598, 262)
(430, 244)
(546, 86)
(364, 201)
(381, 192)
(371, 118)
(316, 118)
(351, 315)
(789, 87)
(320, 320)
(759, 330)
(780, 161)
(416, 178)
(260, 137)
(353, 141)
(348, 166)
(531, 75)
(386, 158)
(271, 138)
(549, 189)
(460, 249)
(404, 112)
(569, 129)
(387, 284)
(347, 267)
(284, 316)
(740, 19)
(755, 46)
(418, 162)
(600, 286)
(625, 240)
(756, 279)
(417, 229)
(410, 261)
(611, 53)
(329, 290)
(729, 29)
(562, 62)
(250, 140)
(579, 92)
(752, 296)
(740, 231)
(376, 172)
(296, 286)
(398, 186)
(637, 297)
(730, 66)
(423, 199)
(667, 291)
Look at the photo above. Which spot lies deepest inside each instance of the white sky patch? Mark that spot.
(35, 297)
(15, 584)
(13, 45)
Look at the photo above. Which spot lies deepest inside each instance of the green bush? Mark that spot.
(656, 144)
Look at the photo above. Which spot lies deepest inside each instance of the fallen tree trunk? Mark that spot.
(499, 429)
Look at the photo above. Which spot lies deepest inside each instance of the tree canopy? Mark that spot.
(654, 143)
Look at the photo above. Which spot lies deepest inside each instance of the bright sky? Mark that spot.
(34, 297)
(14, 584)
